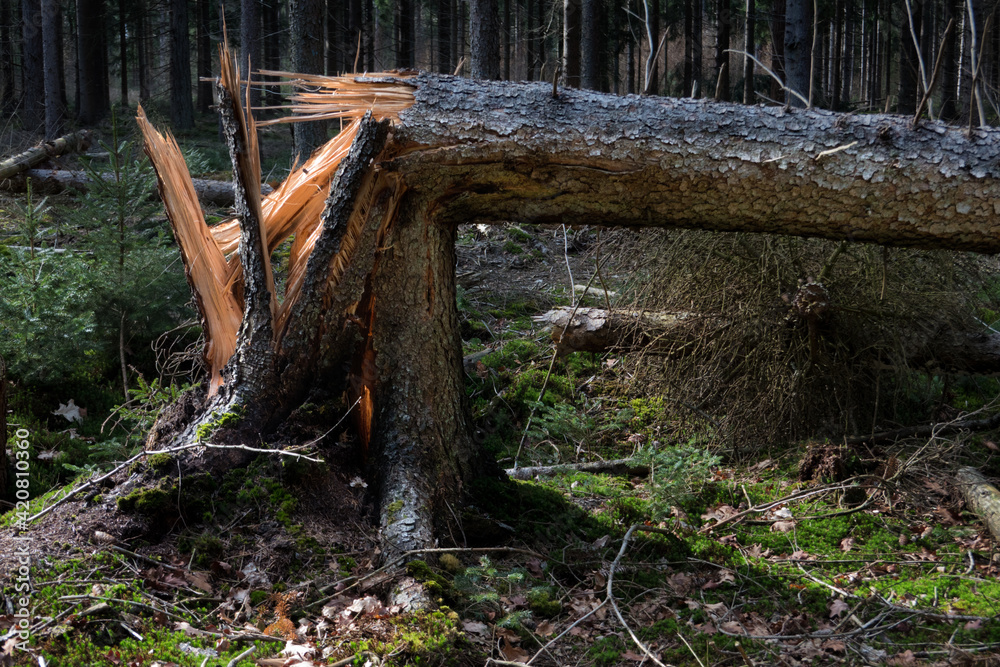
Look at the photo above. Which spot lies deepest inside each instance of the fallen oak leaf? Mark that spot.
(782, 526)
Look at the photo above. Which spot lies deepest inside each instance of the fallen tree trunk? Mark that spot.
(76, 141)
(600, 330)
(53, 181)
(982, 498)
(681, 333)
(613, 467)
(370, 302)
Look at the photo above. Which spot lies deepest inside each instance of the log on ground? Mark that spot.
(75, 141)
(53, 181)
(982, 498)
(681, 333)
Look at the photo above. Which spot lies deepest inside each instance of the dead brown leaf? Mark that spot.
(782, 526)
(846, 544)
(838, 607)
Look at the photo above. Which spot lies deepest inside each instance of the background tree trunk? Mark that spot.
(484, 22)
(52, 50)
(949, 64)
(33, 95)
(909, 67)
(181, 104)
(571, 43)
(722, 34)
(204, 39)
(7, 88)
(750, 47)
(271, 50)
(250, 33)
(306, 30)
(123, 53)
(590, 45)
(405, 35)
(90, 25)
(444, 64)
(798, 49)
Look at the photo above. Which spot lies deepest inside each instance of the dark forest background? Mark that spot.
(68, 61)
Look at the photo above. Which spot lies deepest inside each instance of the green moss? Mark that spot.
(217, 421)
(160, 462)
(512, 247)
(152, 503)
(517, 233)
(540, 602)
(392, 509)
(437, 585)
(450, 563)
(258, 598)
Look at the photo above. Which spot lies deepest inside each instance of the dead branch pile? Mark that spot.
(821, 334)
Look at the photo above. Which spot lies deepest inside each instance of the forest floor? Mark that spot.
(809, 553)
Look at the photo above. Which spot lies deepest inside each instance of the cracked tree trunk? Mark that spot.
(371, 306)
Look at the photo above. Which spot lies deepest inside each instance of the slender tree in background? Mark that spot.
(250, 43)
(572, 16)
(697, 52)
(651, 8)
(181, 104)
(89, 29)
(204, 39)
(949, 63)
(123, 52)
(590, 44)
(6, 60)
(306, 33)
(836, 63)
(271, 43)
(687, 82)
(722, 37)
(484, 22)
(142, 51)
(336, 46)
(909, 67)
(750, 48)
(52, 54)
(33, 102)
(444, 64)
(405, 30)
(798, 49)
